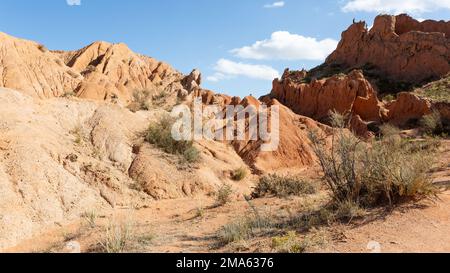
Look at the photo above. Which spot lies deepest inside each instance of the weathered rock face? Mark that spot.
(100, 71)
(401, 48)
(294, 151)
(408, 107)
(345, 94)
(60, 158)
(351, 94)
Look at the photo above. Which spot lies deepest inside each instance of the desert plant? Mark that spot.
(141, 101)
(116, 238)
(432, 124)
(90, 217)
(200, 212)
(385, 172)
(244, 228)
(389, 98)
(289, 243)
(283, 186)
(389, 130)
(239, 174)
(160, 134)
(224, 195)
(78, 133)
(69, 94)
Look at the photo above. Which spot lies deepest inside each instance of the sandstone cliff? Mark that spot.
(399, 48)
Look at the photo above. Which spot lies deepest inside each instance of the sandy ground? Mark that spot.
(191, 225)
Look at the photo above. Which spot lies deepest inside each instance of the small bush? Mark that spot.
(288, 243)
(117, 237)
(69, 94)
(90, 217)
(432, 124)
(78, 133)
(389, 130)
(389, 98)
(239, 174)
(283, 186)
(244, 229)
(346, 211)
(141, 101)
(160, 134)
(191, 155)
(386, 172)
(224, 195)
(200, 213)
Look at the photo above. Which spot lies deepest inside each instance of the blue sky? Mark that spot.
(238, 45)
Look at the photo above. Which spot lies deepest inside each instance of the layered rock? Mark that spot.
(345, 94)
(60, 158)
(351, 94)
(294, 151)
(399, 47)
(100, 71)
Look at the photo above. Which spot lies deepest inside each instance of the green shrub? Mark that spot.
(432, 124)
(239, 174)
(386, 172)
(283, 186)
(224, 195)
(389, 98)
(288, 243)
(244, 228)
(160, 135)
(141, 101)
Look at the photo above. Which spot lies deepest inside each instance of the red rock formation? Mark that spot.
(400, 48)
(407, 107)
(294, 151)
(353, 95)
(345, 94)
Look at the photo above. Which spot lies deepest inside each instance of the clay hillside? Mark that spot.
(87, 162)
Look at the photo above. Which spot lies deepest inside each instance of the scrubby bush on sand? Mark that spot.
(160, 135)
(283, 186)
(384, 172)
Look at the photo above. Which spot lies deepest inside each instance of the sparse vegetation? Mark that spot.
(200, 213)
(146, 239)
(283, 186)
(291, 243)
(141, 101)
(224, 195)
(159, 97)
(389, 130)
(69, 94)
(432, 124)
(78, 133)
(438, 91)
(386, 172)
(160, 135)
(239, 174)
(243, 229)
(117, 237)
(90, 217)
(389, 98)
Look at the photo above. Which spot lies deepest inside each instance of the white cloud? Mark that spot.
(396, 6)
(73, 2)
(283, 45)
(226, 69)
(279, 4)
